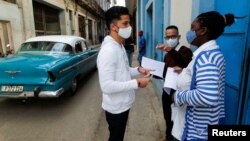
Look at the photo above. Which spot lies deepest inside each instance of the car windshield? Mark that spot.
(46, 47)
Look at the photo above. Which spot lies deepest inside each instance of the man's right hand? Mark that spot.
(163, 47)
(143, 82)
(160, 47)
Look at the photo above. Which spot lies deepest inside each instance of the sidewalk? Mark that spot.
(146, 122)
(146, 119)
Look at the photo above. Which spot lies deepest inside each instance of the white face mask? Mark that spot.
(125, 32)
(172, 42)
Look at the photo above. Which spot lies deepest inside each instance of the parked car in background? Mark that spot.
(46, 66)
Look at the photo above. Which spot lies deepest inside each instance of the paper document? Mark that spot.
(157, 66)
(170, 79)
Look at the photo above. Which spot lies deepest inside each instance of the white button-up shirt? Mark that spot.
(115, 77)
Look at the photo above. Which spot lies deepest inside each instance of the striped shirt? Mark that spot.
(205, 99)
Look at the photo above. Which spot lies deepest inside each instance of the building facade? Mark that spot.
(22, 19)
(155, 15)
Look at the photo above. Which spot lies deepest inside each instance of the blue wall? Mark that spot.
(155, 19)
(234, 43)
(156, 15)
(235, 48)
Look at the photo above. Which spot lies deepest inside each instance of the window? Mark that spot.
(68, 49)
(82, 30)
(46, 20)
(84, 46)
(58, 47)
(11, 1)
(46, 47)
(78, 47)
(90, 24)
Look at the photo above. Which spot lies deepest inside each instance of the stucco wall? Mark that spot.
(181, 15)
(15, 20)
(28, 18)
(20, 20)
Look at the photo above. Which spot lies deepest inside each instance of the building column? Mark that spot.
(28, 19)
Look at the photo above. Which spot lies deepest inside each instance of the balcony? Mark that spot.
(92, 7)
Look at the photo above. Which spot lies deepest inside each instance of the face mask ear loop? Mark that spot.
(116, 30)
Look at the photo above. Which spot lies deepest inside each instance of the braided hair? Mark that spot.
(215, 23)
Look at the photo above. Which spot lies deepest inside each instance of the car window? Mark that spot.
(58, 47)
(85, 47)
(25, 47)
(32, 46)
(78, 47)
(45, 47)
(68, 49)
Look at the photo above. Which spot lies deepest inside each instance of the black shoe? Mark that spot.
(169, 138)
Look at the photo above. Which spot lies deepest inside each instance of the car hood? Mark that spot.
(27, 68)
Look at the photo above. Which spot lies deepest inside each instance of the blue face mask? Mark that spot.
(190, 35)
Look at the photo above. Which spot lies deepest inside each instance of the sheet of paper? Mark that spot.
(170, 79)
(157, 66)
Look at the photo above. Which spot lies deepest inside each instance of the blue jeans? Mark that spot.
(140, 57)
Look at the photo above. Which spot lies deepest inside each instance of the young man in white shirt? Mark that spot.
(115, 75)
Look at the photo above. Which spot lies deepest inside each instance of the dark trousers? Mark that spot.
(166, 105)
(117, 125)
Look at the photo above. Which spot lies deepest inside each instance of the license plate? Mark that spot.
(12, 88)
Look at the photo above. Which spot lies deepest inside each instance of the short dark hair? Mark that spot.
(173, 27)
(115, 13)
(215, 23)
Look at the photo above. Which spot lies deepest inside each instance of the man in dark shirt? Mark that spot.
(129, 46)
(176, 56)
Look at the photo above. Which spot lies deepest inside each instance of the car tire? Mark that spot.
(73, 87)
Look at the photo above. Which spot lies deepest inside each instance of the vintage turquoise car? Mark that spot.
(46, 66)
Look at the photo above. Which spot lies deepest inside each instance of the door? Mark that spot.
(83, 58)
(245, 119)
(149, 30)
(6, 45)
(1, 49)
(233, 44)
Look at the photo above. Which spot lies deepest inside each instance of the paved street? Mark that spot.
(78, 118)
(145, 120)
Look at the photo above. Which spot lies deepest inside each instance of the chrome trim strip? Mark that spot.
(12, 72)
(65, 69)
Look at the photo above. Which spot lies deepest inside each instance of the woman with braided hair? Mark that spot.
(205, 75)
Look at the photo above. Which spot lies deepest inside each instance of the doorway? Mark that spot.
(6, 45)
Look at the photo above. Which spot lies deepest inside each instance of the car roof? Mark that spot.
(68, 39)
